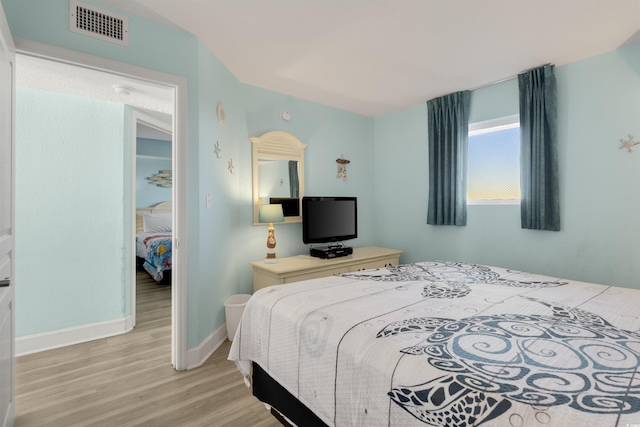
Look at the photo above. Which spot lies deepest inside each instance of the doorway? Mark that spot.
(176, 86)
(151, 196)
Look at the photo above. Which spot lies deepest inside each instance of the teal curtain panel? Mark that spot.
(294, 189)
(540, 204)
(448, 120)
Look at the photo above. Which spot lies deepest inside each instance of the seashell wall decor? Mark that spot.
(342, 167)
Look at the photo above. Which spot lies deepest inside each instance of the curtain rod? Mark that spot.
(506, 79)
(493, 83)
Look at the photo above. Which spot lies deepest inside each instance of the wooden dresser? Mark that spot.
(304, 267)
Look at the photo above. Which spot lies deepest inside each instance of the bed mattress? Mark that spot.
(449, 344)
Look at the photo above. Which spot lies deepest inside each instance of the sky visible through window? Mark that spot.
(494, 166)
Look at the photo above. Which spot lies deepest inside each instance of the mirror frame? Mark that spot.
(277, 145)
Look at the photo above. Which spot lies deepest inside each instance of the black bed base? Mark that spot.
(282, 402)
(139, 263)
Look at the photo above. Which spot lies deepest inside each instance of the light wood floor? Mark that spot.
(128, 380)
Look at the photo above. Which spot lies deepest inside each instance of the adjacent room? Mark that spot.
(83, 150)
(354, 213)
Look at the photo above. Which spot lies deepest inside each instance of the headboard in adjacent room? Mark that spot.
(162, 207)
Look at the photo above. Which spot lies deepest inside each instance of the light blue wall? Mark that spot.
(153, 147)
(494, 101)
(155, 47)
(218, 226)
(151, 46)
(329, 133)
(221, 240)
(69, 200)
(598, 103)
(251, 111)
(388, 169)
(128, 208)
(274, 180)
(148, 194)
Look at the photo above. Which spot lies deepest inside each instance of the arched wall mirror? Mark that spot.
(278, 173)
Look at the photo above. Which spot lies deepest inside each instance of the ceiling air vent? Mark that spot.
(98, 23)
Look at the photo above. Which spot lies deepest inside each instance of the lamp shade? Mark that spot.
(271, 213)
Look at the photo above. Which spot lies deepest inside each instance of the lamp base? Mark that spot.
(271, 256)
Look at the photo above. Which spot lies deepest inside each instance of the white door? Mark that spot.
(7, 222)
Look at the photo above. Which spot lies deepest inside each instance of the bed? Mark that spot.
(443, 344)
(154, 241)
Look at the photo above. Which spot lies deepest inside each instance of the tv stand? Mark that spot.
(328, 252)
(305, 267)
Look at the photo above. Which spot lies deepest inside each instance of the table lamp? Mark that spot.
(270, 214)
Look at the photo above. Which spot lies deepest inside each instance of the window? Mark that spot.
(493, 175)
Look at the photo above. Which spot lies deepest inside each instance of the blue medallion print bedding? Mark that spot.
(155, 249)
(449, 344)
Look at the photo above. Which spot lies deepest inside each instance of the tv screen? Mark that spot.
(329, 219)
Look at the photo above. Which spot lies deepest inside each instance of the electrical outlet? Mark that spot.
(208, 200)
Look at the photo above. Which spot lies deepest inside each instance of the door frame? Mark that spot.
(179, 161)
(153, 122)
(8, 294)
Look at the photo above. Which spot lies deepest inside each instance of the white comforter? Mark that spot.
(442, 343)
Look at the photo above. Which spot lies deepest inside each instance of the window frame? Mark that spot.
(490, 126)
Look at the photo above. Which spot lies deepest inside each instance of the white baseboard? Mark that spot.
(197, 356)
(63, 337)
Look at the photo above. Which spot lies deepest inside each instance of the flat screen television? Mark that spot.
(329, 219)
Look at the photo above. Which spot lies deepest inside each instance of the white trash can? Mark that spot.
(233, 309)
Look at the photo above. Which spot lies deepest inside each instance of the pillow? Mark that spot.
(156, 223)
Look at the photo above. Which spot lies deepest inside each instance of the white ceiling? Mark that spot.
(147, 132)
(377, 56)
(57, 77)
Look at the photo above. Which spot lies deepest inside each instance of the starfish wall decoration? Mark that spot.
(628, 144)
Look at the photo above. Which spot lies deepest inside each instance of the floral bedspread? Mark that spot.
(155, 249)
